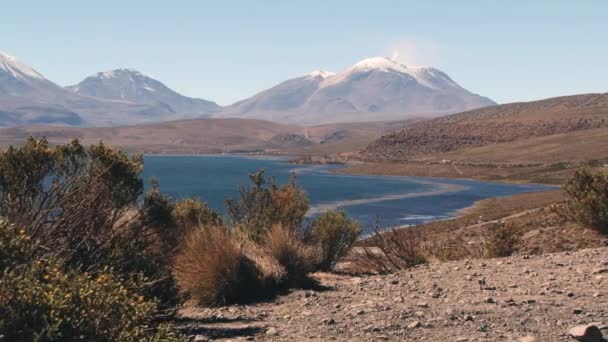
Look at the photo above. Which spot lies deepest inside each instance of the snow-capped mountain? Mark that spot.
(133, 86)
(373, 89)
(17, 79)
(27, 97)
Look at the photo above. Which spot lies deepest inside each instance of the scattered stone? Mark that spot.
(329, 321)
(423, 305)
(272, 332)
(586, 333)
(201, 338)
(528, 338)
(413, 325)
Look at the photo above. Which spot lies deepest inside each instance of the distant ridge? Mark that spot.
(492, 125)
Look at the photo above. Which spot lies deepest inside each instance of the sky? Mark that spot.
(228, 50)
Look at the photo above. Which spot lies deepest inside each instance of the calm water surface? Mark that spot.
(393, 201)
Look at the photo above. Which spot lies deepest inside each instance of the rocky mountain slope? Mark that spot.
(492, 126)
(519, 298)
(373, 89)
(133, 86)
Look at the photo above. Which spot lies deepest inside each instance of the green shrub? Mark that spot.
(335, 233)
(501, 240)
(215, 268)
(40, 301)
(298, 258)
(43, 303)
(265, 204)
(191, 213)
(587, 200)
(16, 247)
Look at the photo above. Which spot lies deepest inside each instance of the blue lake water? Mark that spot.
(391, 201)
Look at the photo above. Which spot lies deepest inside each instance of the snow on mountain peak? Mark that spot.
(12, 66)
(426, 76)
(381, 63)
(118, 72)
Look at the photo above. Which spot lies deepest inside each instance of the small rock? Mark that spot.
(528, 338)
(413, 325)
(329, 321)
(489, 300)
(577, 311)
(586, 333)
(272, 332)
(200, 338)
(423, 304)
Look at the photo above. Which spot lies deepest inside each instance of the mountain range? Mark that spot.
(375, 89)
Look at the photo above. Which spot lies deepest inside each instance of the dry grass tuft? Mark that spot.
(215, 268)
(285, 246)
(391, 250)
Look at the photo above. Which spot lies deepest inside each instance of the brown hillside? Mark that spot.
(492, 125)
(213, 136)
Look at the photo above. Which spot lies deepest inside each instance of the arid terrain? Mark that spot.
(507, 299)
(215, 136)
(541, 292)
(494, 125)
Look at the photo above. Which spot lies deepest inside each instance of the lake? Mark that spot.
(391, 201)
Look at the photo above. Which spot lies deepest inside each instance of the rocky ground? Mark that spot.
(527, 298)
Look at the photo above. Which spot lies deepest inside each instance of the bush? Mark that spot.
(286, 247)
(192, 213)
(16, 247)
(391, 250)
(173, 221)
(587, 200)
(501, 240)
(72, 198)
(335, 233)
(215, 268)
(41, 301)
(265, 204)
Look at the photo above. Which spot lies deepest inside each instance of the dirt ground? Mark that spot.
(502, 299)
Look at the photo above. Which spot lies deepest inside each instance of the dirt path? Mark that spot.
(520, 214)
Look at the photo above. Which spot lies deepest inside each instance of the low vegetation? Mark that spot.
(85, 254)
(265, 204)
(214, 268)
(335, 233)
(40, 300)
(291, 252)
(501, 240)
(390, 251)
(587, 200)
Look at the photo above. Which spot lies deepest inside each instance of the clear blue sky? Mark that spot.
(228, 50)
